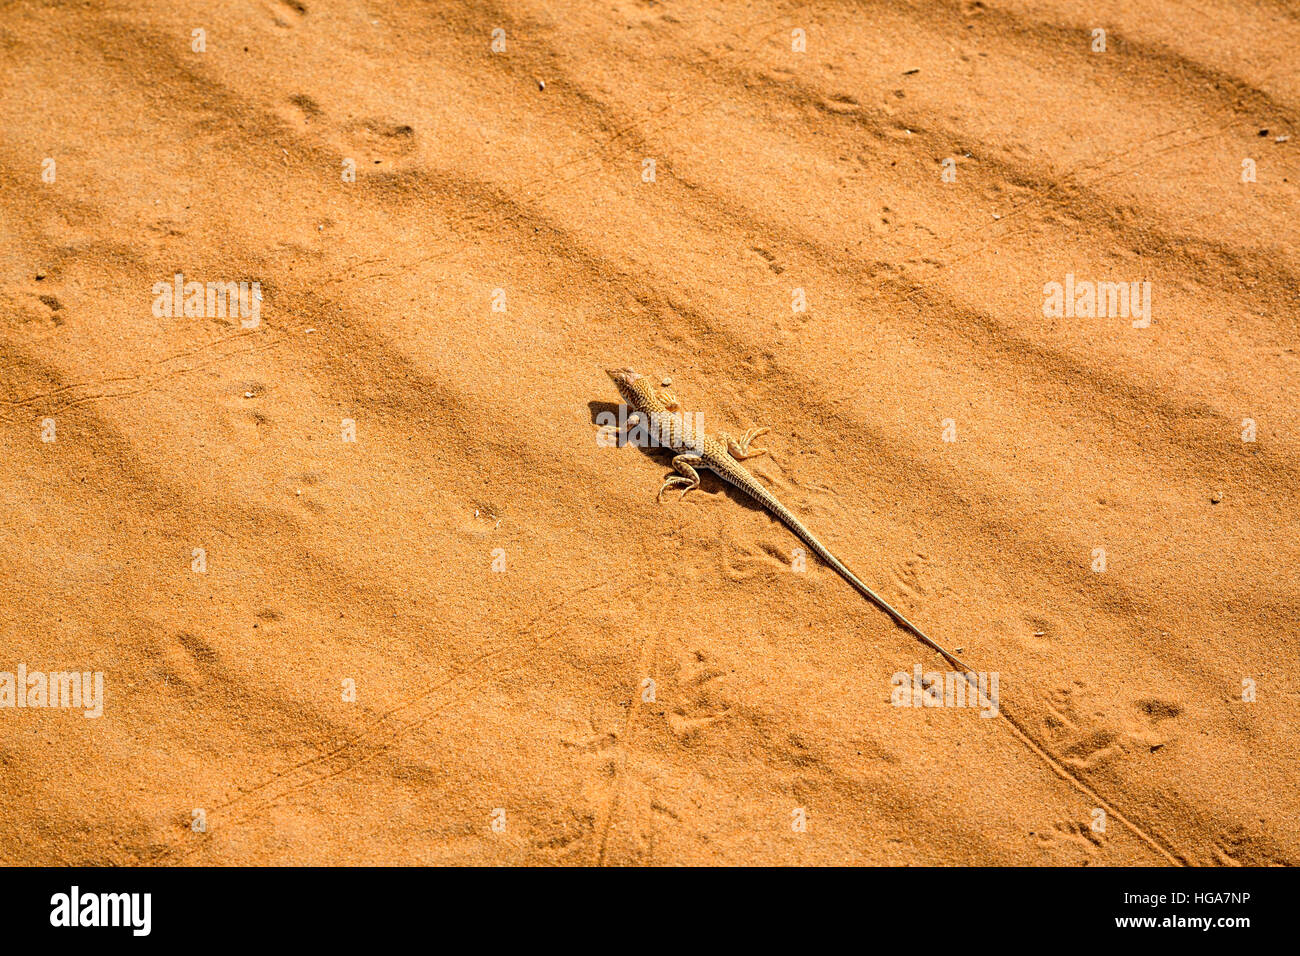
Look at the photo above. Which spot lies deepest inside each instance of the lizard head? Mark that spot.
(632, 386)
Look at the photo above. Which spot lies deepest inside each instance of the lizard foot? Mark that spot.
(677, 481)
(740, 450)
(686, 475)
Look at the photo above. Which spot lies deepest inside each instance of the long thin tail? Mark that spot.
(768, 500)
(780, 511)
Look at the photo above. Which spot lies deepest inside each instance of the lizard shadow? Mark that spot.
(612, 413)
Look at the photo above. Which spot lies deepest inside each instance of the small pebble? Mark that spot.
(1281, 139)
(248, 395)
(1216, 498)
(666, 381)
(541, 84)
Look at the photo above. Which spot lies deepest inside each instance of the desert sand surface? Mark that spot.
(550, 667)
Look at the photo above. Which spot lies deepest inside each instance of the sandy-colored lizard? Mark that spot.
(723, 456)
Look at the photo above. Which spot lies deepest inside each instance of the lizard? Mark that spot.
(722, 454)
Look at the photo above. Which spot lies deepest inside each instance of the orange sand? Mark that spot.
(522, 690)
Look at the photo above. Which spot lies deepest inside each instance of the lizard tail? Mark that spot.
(765, 498)
(807, 537)
(1026, 736)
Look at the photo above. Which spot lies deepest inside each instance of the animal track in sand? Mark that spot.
(1151, 727)
(1078, 741)
(286, 14)
(702, 702)
(841, 103)
(187, 661)
(375, 142)
(23, 307)
(1090, 750)
(755, 560)
(302, 112)
(162, 233)
(485, 518)
(594, 742)
(1158, 710)
(769, 259)
(1036, 633)
(1087, 741)
(242, 417)
(909, 577)
(643, 13)
(1071, 837)
(368, 141)
(685, 727)
(1235, 845)
(559, 834)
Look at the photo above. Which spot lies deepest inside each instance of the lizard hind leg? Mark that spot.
(740, 450)
(687, 478)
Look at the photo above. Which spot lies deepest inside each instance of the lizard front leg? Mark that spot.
(686, 476)
(740, 450)
(615, 436)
